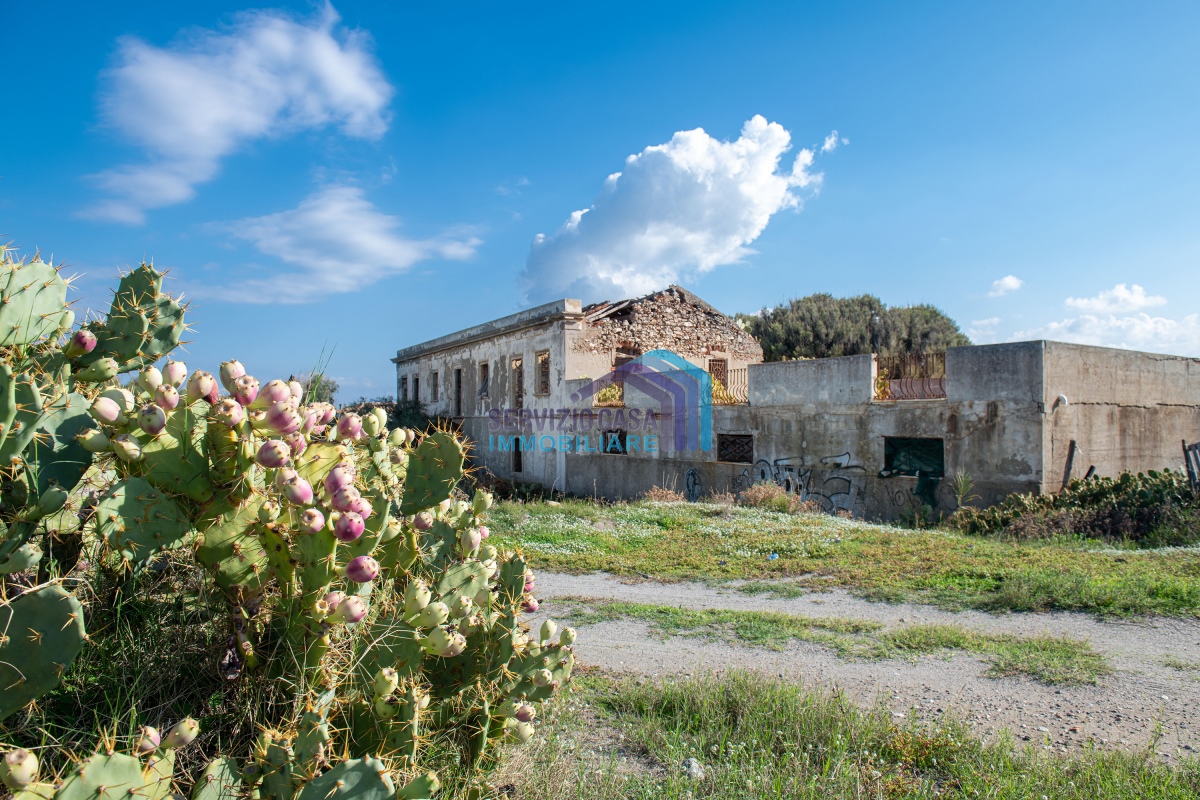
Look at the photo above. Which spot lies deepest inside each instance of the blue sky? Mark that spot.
(365, 176)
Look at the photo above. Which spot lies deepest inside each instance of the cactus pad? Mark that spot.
(358, 778)
(229, 545)
(423, 787)
(106, 777)
(433, 470)
(33, 297)
(59, 458)
(221, 781)
(25, 556)
(138, 520)
(143, 324)
(41, 633)
(174, 461)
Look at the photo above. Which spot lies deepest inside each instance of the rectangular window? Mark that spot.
(614, 442)
(735, 447)
(905, 456)
(518, 382)
(516, 457)
(543, 373)
(718, 368)
(417, 388)
(433, 387)
(403, 388)
(483, 379)
(458, 392)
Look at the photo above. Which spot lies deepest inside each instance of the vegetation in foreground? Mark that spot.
(312, 584)
(1049, 659)
(753, 737)
(710, 541)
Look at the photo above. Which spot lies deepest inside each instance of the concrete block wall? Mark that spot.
(1125, 410)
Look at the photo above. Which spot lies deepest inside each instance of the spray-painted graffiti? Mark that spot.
(838, 484)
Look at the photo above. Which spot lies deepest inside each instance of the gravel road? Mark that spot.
(1122, 712)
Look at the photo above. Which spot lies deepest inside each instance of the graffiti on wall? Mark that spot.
(837, 485)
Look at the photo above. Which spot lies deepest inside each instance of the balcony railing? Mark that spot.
(920, 376)
(735, 391)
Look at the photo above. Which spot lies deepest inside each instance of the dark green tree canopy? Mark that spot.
(821, 325)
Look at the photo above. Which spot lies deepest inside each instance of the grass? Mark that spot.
(759, 738)
(1183, 665)
(678, 541)
(1049, 659)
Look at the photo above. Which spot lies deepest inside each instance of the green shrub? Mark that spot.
(1151, 509)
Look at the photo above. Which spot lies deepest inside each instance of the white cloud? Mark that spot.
(193, 103)
(983, 331)
(686, 206)
(340, 243)
(1001, 287)
(1133, 332)
(1116, 300)
(831, 142)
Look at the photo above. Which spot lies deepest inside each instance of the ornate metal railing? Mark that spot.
(921, 376)
(735, 391)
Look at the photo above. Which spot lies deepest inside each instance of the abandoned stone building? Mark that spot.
(556, 395)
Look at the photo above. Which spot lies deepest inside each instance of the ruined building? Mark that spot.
(559, 395)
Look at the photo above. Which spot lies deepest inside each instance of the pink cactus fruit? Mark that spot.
(349, 426)
(344, 497)
(151, 419)
(184, 732)
(166, 397)
(299, 492)
(149, 741)
(282, 418)
(273, 454)
(361, 506)
(244, 389)
(524, 712)
(311, 521)
(201, 386)
(334, 599)
(350, 610)
(530, 606)
(82, 342)
(297, 443)
(274, 392)
(175, 373)
(423, 521)
(484, 532)
(231, 371)
(362, 569)
(341, 475)
(349, 527)
(150, 379)
(229, 412)
(297, 389)
(105, 410)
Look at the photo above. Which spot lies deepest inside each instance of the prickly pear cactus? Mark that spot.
(51, 377)
(41, 633)
(333, 540)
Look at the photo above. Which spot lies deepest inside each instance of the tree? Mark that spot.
(821, 326)
(319, 388)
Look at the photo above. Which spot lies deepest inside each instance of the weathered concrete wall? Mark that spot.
(1125, 410)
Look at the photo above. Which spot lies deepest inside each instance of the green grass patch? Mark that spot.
(1049, 659)
(698, 541)
(1183, 665)
(759, 738)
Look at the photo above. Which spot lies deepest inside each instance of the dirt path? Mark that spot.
(1122, 712)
